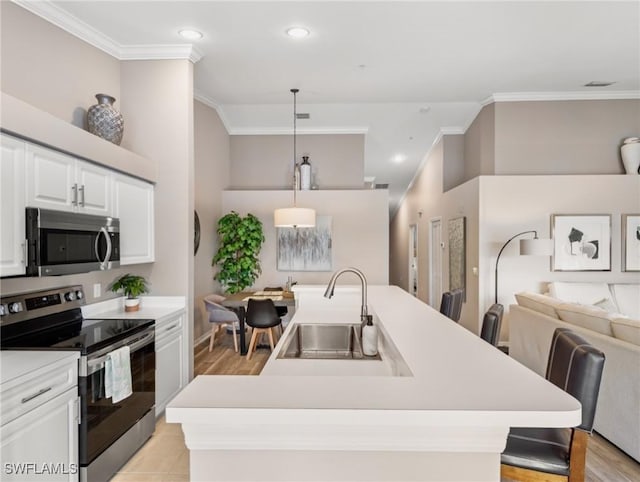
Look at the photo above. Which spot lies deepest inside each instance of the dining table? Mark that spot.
(238, 302)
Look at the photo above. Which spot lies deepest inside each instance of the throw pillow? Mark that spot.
(607, 305)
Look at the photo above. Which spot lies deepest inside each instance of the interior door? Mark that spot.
(436, 248)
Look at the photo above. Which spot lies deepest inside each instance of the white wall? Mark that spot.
(211, 178)
(512, 204)
(360, 235)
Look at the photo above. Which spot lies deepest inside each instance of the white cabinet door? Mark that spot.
(51, 179)
(94, 189)
(133, 204)
(170, 363)
(63, 183)
(12, 204)
(42, 445)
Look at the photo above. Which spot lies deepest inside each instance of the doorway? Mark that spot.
(436, 248)
(413, 260)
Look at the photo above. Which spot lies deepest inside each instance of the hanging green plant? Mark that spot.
(237, 258)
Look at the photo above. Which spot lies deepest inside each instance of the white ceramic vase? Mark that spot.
(131, 304)
(631, 157)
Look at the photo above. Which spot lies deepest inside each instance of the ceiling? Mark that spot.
(399, 71)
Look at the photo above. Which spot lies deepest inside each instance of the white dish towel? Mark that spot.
(117, 380)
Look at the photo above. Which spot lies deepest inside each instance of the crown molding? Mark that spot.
(556, 96)
(286, 131)
(215, 105)
(59, 17)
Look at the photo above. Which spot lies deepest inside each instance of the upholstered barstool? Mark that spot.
(261, 317)
(491, 324)
(451, 304)
(559, 454)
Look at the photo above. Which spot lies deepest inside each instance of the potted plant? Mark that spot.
(237, 257)
(132, 286)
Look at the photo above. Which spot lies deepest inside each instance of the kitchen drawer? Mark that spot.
(168, 326)
(24, 393)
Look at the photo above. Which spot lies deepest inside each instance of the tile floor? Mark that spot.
(164, 458)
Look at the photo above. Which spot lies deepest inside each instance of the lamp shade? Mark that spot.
(536, 247)
(294, 218)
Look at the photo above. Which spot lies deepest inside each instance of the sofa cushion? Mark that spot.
(537, 302)
(589, 317)
(627, 297)
(626, 329)
(583, 293)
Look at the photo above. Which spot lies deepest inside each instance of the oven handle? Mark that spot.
(107, 256)
(134, 343)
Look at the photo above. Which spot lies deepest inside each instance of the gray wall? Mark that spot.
(265, 161)
(211, 178)
(563, 137)
(453, 161)
(479, 144)
(51, 69)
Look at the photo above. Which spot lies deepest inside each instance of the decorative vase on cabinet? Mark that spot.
(630, 153)
(104, 120)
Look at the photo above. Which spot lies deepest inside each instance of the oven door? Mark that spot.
(103, 422)
(65, 243)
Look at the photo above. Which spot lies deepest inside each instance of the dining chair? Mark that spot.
(220, 316)
(282, 310)
(261, 317)
(451, 304)
(559, 454)
(491, 323)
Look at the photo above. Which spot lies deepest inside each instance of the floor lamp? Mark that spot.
(532, 247)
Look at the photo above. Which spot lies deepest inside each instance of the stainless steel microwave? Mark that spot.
(60, 243)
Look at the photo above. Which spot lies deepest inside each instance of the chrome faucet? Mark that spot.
(332, 284)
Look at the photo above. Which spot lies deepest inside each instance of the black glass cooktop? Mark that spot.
(69, 331)
(97, 334)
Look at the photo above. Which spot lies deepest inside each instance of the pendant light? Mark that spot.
(294, 217)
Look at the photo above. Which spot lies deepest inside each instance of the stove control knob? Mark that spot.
(15, 307)
(79, 294)
(3, 310)
(70, 296)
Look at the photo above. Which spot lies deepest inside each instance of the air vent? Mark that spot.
(382, 186)
(303, 115)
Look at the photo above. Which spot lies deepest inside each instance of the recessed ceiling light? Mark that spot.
(190, 34)
(399, 158)
(599, 83)
(297, 32)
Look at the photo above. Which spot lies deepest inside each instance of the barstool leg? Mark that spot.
(235, 336)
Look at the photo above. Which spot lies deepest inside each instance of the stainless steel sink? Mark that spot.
(324, 341)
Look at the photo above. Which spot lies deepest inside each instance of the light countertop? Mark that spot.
(455, 378)
(151, 307)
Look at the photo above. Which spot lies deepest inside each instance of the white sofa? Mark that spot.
(533, 320)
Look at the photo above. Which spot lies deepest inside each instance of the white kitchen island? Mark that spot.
(438, 407)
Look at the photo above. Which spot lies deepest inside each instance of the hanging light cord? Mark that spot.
(294, 91)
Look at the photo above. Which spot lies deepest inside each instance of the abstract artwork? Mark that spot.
(305, 249)
(631, 242)
(581, 242)
(457, 254)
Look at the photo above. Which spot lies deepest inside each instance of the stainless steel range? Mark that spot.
(52, 320)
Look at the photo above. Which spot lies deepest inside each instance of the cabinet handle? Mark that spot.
(35, 395)
(74, 189)
(171, 327)
(81, 189)
(25, 251)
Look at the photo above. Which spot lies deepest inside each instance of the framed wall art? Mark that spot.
(457, 258)
(631, 242)
(305, 249)
(581, 242)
